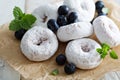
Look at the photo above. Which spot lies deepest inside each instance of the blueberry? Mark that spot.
(19, 34)
(52, 25)
(72, 17)
(70, 68)
(63, 10)
(60, 59)
(99, 5)
(61, 20)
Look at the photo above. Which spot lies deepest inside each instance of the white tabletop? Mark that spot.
(6, 7)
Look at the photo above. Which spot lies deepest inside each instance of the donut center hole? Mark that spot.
(85, 48)
(45, 19)
(40, 41)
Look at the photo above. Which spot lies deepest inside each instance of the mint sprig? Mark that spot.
(55, 72)
(105, 50)
(22, 20)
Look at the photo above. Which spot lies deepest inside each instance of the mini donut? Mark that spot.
(44, 13)
(106, 31)
(39, 44)
(84, 8)
(82, 53)
(74, 31)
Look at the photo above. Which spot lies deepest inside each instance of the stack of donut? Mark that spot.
(40, 43)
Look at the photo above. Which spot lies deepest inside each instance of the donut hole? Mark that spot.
(40, 41)
(85, 48)
(44, 19)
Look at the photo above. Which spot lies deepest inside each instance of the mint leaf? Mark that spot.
(113, 55)
(22, 20)
(27, 21)
(55, 72)
(104, 44)
(18, 14)
(103, 55)
(99, 50)
(105, 10)
(105, 47)
(14, 25)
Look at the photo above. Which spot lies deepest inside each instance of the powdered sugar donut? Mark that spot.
(106, 31)
(39, 44)
(84, 8)
(44, 13)
(74, 31)
(82, 52)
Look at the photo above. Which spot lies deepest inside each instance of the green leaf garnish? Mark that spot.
(27, 21)
(105, 10)
(22, 20)
(55, 72)
(99, 50)
(14, 25)
(104, 50)
(113, 55)
(103, 55)
(105, 46)
(17, 12)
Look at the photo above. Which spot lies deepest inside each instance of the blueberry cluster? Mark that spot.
(65, 17)
(69, 68)
(100, 8)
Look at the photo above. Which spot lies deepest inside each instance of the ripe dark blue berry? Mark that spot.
(61, 59)
(99, 5)
(19, 34)
(63, 10)
(52, 25)
(61, 20)
(72, 17)
(70, 68)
